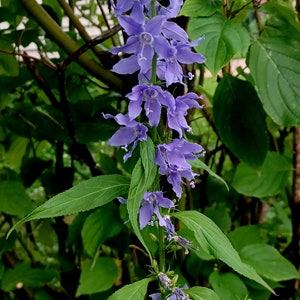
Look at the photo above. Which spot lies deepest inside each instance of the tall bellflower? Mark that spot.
(155, 49)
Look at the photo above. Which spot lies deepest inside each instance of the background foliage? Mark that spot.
(73, 239)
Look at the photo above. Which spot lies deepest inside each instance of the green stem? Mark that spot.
(152, 8)
(161, 249)
(153, 71)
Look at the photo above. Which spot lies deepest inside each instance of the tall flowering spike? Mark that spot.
(172, 161)
(152, 98)
(150, 206)
(133, 132)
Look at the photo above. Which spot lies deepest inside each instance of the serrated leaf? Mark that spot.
(132, 291)
(240, 120)
(86, 195)
(268, 181)
(200, 8)
(104, 223)
(224, 39)
(142, 180)
(97, 278)
(202, 293)
(274, 62)
(214, 242)
(268, 262)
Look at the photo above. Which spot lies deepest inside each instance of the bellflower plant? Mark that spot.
(155, 49)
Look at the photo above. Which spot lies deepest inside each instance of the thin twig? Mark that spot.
(97, 40)
(46, 63)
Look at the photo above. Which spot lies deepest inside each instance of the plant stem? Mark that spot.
(161, 249)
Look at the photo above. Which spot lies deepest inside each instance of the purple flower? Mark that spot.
(142, 42)
(155, 296)
(178, 294)
(169, 227)
(150, 205)
(172, 10)
(171, 55)
(176, 117)
(165, 281)
(183, 242)
(126, 5)
(171, 159)
(153, 97)
(172, 31)
(133, 132)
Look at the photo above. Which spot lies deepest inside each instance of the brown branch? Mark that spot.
(105, 20)
(40, 80)
(43, 61)
(295, 204)
(76, 149)
(90, 44)
(78, 25)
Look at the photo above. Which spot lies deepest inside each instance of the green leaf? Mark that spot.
(220, 215)
(24, 274)
(8, 63)
(274, 62)
(132, 291)
(86, 195)
(197, 163)
(142, 180)
(252, 232)
(202, 293)
(97, 278)
(240, 120)
(229, 286)
(267, 181)
(200, 8)
(13, 198)
(214, 242)
(104, 223)
(268, 262)
(224, 39)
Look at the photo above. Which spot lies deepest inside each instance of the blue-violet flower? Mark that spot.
(142, 42)
(150, 205)
(177, 116)
(133, 132)
(172, 161)
(178, 294)
(153, 97)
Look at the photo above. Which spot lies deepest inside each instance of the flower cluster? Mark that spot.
(152, 35)
(155, 49)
